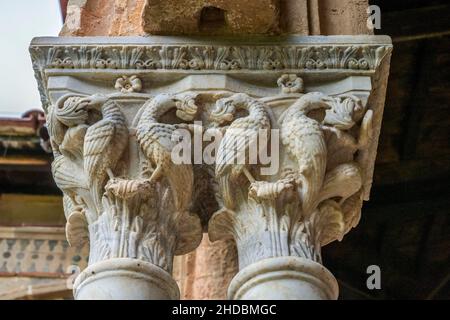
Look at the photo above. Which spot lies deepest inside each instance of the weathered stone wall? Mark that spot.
(343, 17)
(206, 272)
(103, 18)
(135, 17)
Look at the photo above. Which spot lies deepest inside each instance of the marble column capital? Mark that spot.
(114, 104)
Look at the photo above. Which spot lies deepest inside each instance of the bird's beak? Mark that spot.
(83, 104)
(221, 118)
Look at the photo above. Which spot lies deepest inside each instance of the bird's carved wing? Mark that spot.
(98, 137)
(67, 175)
(305, 142)
(237, 139)
(181, 179)
(302, 137)
(180, 176)
(72, 144)
(163, 133)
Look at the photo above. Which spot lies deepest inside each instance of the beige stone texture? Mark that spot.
(206, 272)
(210, 17)
(343, 17)
(294, 17)
(103, 18)
(138, 17)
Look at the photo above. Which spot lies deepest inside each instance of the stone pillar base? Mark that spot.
(284, 278)
(125, 279)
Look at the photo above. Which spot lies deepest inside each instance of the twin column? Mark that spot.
(124, 120)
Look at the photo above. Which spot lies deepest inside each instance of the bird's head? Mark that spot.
(71, 111)
(225, 108)
(186, 106)
(313, 101)
(306, 103)
(94, 101)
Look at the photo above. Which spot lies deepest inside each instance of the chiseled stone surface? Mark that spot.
(210, 17)
(206, 272)
(136, 17)
(343, 17)
(103, 18)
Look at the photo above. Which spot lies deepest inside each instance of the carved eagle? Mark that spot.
(239, 137)
(157, 141)
(304, 141)
(104, 144)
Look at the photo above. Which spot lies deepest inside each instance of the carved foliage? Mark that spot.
(198, 57)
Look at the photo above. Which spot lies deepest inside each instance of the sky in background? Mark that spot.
(20, 21)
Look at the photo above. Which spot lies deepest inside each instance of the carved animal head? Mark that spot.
(126, 189)
(72, 111)
(306, 103)
(312, 101)
(94, 101)
(226, 107)
(186, 106)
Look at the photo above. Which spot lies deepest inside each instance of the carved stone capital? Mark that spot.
(314, 197)
(114, 106)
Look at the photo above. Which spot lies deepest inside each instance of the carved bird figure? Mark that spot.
(240, 137)
(66, 115)
(305, 142)
(157, 141)
(68, 176)
(66, 124)
(104, 144)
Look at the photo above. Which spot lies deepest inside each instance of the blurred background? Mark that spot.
(405, 227)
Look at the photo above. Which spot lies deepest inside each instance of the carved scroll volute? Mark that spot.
(143, 217)
(314, 198)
